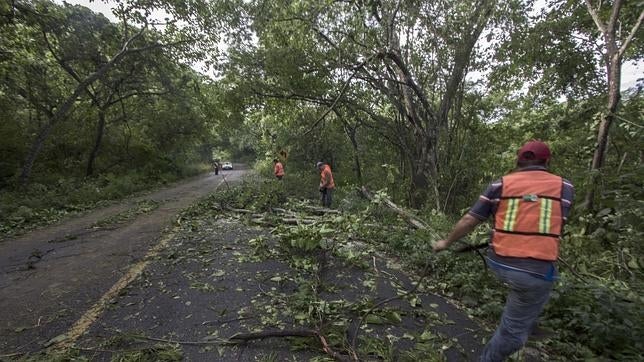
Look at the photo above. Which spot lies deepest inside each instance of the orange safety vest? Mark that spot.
(326, 177)
(279, 169)
(529, 220)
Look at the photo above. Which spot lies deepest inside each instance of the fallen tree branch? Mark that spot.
(190, 343)
(112, 351)
(322, 210)
(245, 337)
(386, 227)
(227, 320)
(576, 273)
(288, 221)
(406, 215)
(240, 211)
(279, 210)
(273, 334)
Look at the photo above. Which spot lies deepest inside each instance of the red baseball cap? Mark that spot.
(534, 150)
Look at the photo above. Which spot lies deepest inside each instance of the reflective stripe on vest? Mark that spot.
(529, 218)
(545, 216)
(511, 215)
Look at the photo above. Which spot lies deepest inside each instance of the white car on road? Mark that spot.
(227, 166)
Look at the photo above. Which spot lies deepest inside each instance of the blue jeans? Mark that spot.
(327, 197)
(526, 299)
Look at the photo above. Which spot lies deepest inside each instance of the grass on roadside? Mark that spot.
(40, 204)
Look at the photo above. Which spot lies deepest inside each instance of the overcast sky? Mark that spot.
(631, 71)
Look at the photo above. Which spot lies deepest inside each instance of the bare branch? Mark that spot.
(129, 95)
(595, 16)
(410, 81)
(631, 35)
(342, 91)
(614, 15)
(390, 26)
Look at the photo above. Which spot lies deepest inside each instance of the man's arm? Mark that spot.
(463, 227)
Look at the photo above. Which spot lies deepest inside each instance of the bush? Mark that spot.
(596, 314)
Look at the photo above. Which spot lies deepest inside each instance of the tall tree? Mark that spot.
(616, 44)
(400, 65)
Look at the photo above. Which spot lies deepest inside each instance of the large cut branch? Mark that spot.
(406, 215)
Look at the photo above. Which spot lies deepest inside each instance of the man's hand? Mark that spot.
(463, 227)
(440, 245)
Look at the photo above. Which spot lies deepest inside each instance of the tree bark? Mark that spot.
(35, 148)
(351, 133)
(100, 131)
(613, 58)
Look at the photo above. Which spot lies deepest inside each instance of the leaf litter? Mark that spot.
(305, 285)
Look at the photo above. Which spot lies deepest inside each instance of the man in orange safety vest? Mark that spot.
(530, 207)
(327, 185)
(278, 169)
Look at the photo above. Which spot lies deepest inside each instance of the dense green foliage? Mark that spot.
(426, 101)
(93, 110)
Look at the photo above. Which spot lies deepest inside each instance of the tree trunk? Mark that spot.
(351, 133)
(613, 58)
(34, 150)
(100, 130)
(613, 68)
(424, 174)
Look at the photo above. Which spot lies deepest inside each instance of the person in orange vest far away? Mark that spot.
(278, 169)
(529, 206)
(326, 183)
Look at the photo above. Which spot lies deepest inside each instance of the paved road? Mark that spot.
(209, 277)
(50, 277)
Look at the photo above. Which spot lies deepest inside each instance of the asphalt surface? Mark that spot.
(50, 277)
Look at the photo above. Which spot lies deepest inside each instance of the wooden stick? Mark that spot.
(227, 320)
(291, 333)
(322, 210)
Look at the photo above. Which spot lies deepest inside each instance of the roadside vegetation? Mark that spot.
(41, 204)
(596, 309)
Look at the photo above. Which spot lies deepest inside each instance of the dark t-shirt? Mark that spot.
(487, 205)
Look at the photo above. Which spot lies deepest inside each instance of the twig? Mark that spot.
(193, 343)
(622, 263)
(240, 211)
(227, 320)
(574, 272)
(225, 181)
(272, 334)
(86, 349)
(321, 210)
(375, 267)
(289, 221)
(244, 337)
